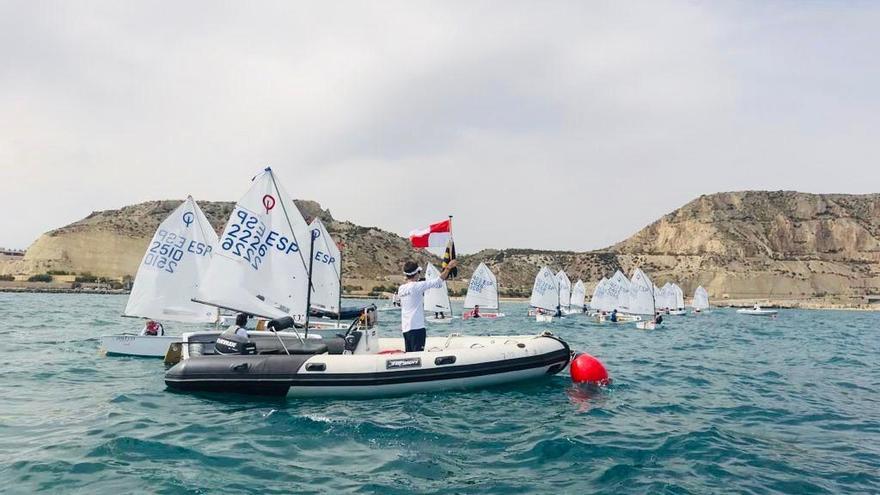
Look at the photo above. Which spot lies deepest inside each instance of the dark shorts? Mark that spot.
(415, 339)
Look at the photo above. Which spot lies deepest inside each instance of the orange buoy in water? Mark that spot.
(587, 369)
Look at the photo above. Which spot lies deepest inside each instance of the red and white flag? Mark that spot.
(436, 235)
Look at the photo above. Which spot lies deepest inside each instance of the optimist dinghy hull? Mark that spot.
(137, 345)
(448, 363)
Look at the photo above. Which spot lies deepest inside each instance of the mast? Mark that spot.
(339, 306)
(451, 243)
(310, 287)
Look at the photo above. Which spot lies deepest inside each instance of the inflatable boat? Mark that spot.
(359, 363)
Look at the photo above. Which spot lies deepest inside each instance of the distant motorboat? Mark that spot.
(757, 311)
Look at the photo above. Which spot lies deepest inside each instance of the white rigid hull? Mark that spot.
(137, 345)
(453, 362)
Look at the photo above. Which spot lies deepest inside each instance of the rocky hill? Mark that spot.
(111, 243)
(752, 244)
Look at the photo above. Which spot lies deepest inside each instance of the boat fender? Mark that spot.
(279, 324)
(351, 340)
(230, 343)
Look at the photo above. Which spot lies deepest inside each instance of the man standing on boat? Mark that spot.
(412, 303)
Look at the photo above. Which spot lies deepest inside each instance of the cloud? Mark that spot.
(564, 125)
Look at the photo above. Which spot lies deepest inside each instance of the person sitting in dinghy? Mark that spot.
(412, 303)
(613, 318)
(239, 328)
(658, 318)
(476, 312)
(153, 328)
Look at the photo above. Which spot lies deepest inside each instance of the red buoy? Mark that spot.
(587, 369)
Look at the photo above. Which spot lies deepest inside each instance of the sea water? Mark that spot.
(716, 403)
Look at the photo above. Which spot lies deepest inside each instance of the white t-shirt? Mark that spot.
(412, 303)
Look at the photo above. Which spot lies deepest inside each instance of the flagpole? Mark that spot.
(451, 243)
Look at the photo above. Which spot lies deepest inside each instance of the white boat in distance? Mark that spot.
(757, 311)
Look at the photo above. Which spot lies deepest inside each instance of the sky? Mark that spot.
(546, 125)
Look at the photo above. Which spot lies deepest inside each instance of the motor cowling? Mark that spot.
(231, 343)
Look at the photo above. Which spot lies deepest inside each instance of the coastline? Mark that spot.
(812, 304)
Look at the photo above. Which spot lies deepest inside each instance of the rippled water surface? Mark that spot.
(709, 404)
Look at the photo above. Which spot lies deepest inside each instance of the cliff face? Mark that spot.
(111, 243)
(741, 244)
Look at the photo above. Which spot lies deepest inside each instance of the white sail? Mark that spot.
(563, 284)
(545, 293)
(642, 294)
(701, 298)
(578, 296)
(612, 293)
(175, 262)
(623, 292)
(482, 289)
(436, 300)
(664, 297)
(261, 264)
(679, 296)
(326, 269)
(598, 301)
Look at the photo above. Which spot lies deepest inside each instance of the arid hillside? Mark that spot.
(752, 244)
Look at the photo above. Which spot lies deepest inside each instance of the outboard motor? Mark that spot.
(231, 343)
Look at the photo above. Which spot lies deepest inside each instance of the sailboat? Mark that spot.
(261, 265)
(482, 293)
(616, 296)
(598, 302)
(563, 284)
(578, 297)
(544, 301)
(677, 309)
(325, 266)
(437, 302)
(642, 299)
(167, 278)
(700, 301)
